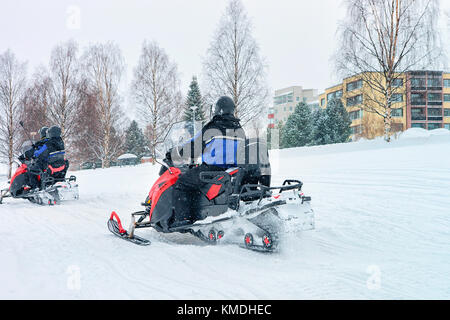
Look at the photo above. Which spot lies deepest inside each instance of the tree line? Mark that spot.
(80, 91)
(307, 127)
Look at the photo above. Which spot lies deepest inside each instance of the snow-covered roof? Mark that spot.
(127, 156)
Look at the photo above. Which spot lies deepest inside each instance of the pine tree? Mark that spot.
(135, 141)
(339, 121)
(297, 132)
(331, 125)
(321, 132)
(194, 98)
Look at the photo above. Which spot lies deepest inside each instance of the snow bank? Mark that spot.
(415, 133)
(410, 137)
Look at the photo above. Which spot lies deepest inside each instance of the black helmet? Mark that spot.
(54, 132)
(43, 132)
(224, 105)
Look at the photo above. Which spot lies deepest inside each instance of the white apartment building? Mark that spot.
(285, 100)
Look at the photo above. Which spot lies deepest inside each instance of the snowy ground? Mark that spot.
(382, 232)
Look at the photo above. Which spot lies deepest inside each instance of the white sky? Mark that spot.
(297, 37)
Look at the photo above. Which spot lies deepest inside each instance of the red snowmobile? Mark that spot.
(53, 186)
(234, 207)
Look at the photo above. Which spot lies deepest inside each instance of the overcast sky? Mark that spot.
(297, 37)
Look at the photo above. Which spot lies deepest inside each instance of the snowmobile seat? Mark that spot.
(58, 173)
(214, 193)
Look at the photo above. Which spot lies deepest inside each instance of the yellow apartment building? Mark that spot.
(421, 99)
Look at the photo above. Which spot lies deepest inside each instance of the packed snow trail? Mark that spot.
(382, 232)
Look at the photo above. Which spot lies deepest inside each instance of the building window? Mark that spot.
(322, 102)
(418, 82)
(397, 113)
(289, 97)
(353, 101)
(446, 112)
(355, 114)
(355, 130)
(432, 126)
(417, 99)
(435, 97)
(334, 95)
(397, 97)
(397, 82)
(298, 98)
(418, 114)
(290, 108)
(434, 114)
(447, 126)
(418, 125)
(354, 85)
(434, 82)
(447, 97)
(447, 83)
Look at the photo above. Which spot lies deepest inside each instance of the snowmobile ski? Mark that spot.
(115, 226)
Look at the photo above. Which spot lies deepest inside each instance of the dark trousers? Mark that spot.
(188, 188)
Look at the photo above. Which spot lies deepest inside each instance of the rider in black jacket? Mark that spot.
(220, 144)
(49, 156)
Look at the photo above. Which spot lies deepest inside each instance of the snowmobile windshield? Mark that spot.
(180, 134)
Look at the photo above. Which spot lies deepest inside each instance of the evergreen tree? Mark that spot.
(194, 98)
(331, 125)
(135, 141)
(321, 132)
(339, 121)
(297, 132)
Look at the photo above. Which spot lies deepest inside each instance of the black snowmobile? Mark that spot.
(236, 206)
(53, 186)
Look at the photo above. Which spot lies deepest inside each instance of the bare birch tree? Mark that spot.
(156, 91)
(234, 67)
(382, 39)
(12, 88)
(36, 101)
(104, 66)
(64, 73)
(88, 134)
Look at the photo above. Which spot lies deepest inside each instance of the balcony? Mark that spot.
(418, 117)
(434, 118)
(418, 102)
